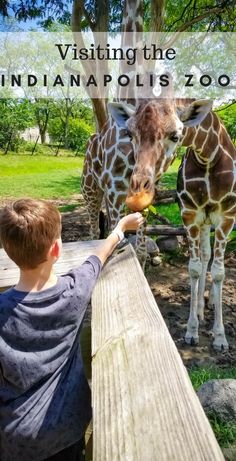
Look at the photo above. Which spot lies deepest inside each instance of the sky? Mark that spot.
(9, 24)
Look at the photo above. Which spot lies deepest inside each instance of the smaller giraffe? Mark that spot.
(206, 190)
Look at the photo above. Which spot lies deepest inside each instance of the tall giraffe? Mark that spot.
(109, 155)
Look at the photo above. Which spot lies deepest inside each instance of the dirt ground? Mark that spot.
(170, 285)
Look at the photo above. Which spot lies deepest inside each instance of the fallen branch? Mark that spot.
(168, 230)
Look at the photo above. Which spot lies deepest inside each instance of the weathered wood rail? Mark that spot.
(73, 254)
(144, 406)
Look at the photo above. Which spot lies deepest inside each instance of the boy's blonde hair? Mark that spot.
(28, 228)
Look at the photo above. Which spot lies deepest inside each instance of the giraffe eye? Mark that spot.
(174, 138)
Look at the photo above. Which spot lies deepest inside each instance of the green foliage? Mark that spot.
(29, 146)
(68, 208)
(225, 433)
(182, 13)
(77, 135)
(195, 15)
(16, 116)
(231, 246)
(228, 115)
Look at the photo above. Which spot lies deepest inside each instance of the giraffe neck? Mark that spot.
(133, 16)
(209, 140)
(132, 35)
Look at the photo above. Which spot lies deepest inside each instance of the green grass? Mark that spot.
(171, 212)
(231, 246)
(169, 179)
(225, 433)
(39, 176)
(68, 208)
(199, 376)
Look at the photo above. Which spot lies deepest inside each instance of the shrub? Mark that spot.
(78, 133)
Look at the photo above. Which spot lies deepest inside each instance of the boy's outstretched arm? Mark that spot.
(130, 222)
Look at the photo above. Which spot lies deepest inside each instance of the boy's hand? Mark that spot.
(131, 222)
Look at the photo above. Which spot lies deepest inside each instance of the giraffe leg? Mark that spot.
(218, 272)
(205, 249)
(195, 271)
(93, 196)
(141, 246)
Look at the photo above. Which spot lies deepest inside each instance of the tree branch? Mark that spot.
(88, 18)
(188, 24)
(225, 107)
(183, 13)
(199, 18)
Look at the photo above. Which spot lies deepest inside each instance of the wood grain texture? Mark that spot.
(144, 406)
(73, 254)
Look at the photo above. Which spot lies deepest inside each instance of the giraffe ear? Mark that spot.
(120, 112)
(195, 113)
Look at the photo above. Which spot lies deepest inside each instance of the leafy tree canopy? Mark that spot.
(228, 115)
(189, 15)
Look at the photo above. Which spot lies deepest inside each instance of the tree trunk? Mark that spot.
(42, 132)
(42, 121)
(78, 12)
(8, 143)
(35, 145)
(157, 15)
(66, 126)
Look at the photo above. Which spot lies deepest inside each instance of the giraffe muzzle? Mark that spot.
(140, 194)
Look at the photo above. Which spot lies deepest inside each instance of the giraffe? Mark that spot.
(112, 145)
(206, 189)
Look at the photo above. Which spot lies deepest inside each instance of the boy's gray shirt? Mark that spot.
(44, 395)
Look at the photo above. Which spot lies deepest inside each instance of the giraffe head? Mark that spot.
(156, 129)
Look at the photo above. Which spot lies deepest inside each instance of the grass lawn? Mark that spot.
(39, 176)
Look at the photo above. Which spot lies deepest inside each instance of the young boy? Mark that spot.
(44, 395)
